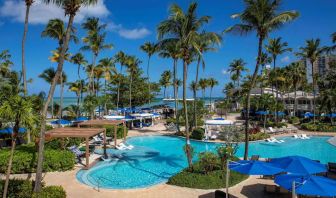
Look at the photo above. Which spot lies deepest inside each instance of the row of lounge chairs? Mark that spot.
(283, 129)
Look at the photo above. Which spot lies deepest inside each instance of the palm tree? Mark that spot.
(165, 81)
(183, 27)
(5, 62)
(150, 49)
(236, 68)
(79, 60)
(76, 87)
(63, 80)
(212, 83)
(262, 16)
(276, 47)
(121, 58)
(194, 87)
(203, 83)
(312, 51)
(71, 7)
(297, 74)
(132, 63)
(48, 75)
(18, 110)
(95, 42)
(108, 67)
(28, 4)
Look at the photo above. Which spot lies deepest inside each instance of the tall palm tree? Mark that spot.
(297, 74)
(79, 60)
(172, 50)
(71, 7)
(132, 64)
(262, 16)
(236, 67)
(28, 4)
(108, 67)
(276, 47)
(150, 49)
(48, 75)
(183, 27)
(312, 51)
(165, 81)
(95, 42)
(203, 83)
(120, 58)
(76, 87)
(194, 87)
(18, 110)
(212, 83)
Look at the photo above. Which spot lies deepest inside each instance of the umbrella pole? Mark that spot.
(227, 179)
(293, 190)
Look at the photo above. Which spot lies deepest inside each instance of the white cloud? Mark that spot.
(225, 71)
(285, 59)
(40, 13)
(136, 33)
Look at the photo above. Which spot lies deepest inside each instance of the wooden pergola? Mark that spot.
(78, 133)
(100, 123)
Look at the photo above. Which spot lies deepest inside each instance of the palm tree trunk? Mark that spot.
(80, 88)
(188, 149)
(314, 91)
(295, 101)
(91, 74)
(118, 91)
(248, 99)
(60, 112)
(38, 178)
(10, 161)
(164, 92)
(194, 106)
(52, 106)
(277, 95)
(175, 89)
(195, 92)
(210, 99)
(77, 110)
(23, 50)
(130, 94)
(105, 106)
(149, 86)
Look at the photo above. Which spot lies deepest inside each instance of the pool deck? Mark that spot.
(252, 187)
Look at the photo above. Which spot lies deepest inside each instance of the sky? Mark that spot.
(131, 23)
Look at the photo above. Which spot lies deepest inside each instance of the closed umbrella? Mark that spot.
(299, 165)
(309, 185)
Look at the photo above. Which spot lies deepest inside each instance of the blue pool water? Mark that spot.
(156, 158)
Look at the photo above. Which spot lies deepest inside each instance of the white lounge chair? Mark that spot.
(296, 136)
(273, 140)
(272, 130)
(129, 147)
(304, 136)
(121, 147)
(269, 140)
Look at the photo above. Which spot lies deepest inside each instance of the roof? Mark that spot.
(101, 122)
(219, 122)
(74, 132)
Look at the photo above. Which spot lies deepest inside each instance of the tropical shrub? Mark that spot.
(110, 131)
(24, 189)
(208, 161)
(197, 134)
(324, 127)
(258, 136)
(63, 143)
(294, 120)
(25, 159)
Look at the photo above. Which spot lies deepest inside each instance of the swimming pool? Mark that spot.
(156, 158)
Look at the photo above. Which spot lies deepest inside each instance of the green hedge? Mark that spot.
(24, 189)
(197, 134)
(294, 120)
(25, 160)
(258, 136)
(110, 131)
(323, 127)
(197, 179)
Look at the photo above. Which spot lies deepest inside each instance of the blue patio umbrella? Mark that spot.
(309, 185)
(252, 167)
(61, 122)
(332, 115)
(280, 113)
(81, 119)
(219, 119)
(9, 130)
(262, 112)
(299, 165)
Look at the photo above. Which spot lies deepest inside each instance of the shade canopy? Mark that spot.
(308, 185)
(280, 113)
(81, 119)
(61, 121)
(299, 165)
(114, 117)
(262, 112)
(253, 167)
(9, 130)
(332, 115)
(219, 122)
(142, 115)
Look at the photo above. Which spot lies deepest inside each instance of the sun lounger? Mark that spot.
(273, 140)
(79, 154)
(171, 127)
(296, 136)
(332, 167)
(255, 157)
(126, 146)
(272, 130)
(304, 136)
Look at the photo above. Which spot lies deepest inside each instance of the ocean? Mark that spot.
(67, 101)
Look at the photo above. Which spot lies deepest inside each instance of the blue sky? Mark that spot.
(131, 23)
